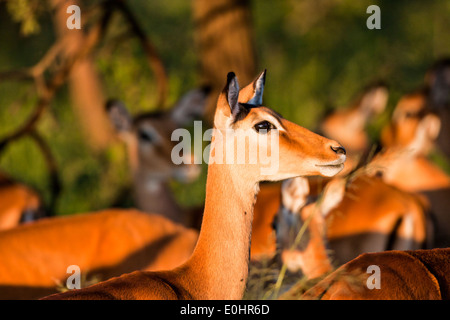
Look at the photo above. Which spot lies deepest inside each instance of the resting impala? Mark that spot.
(348, 126)
(104, 244)
(408, 139)
(218, 268)
(18, 204)
(420, 274)
(349, 218)
(403, 275)
(148, 140)
(404, 163)
(306, 251)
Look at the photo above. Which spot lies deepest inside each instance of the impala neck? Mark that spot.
(221, 257)
(153, 195)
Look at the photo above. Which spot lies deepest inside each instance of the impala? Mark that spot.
(147, 138)
(403, 275)
(149, 146)
(348, 126)
(18, 204)
(408, 139)
(419, 274)
(305, 251)
(348, 219)
(104, 244)
(404, 163)
(218, 267)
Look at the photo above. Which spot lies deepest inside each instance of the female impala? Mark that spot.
(349, 218)
(146, 242)
(348, 126)
(420, 274)
(403, 275)
(104, 244)
(408, 139)
(148, 140)
(306, 251)
(218, 268)
(404, 163)
(18, 204)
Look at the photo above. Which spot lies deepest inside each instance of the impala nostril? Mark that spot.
(339, 150)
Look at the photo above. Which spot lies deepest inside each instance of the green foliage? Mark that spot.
(26, 13)
(317, 53)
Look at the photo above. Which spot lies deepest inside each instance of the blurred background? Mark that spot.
(54, 82)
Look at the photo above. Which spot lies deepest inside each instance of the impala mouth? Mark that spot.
(331, 169)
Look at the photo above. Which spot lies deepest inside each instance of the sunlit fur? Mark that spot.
(381, 216)
(404, 275)
(16, 200)
(218, 268)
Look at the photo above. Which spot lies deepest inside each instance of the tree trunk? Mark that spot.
(224, 38)
(85, 88)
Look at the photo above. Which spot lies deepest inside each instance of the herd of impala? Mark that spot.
(338, 207)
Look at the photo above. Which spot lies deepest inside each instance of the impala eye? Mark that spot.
(411, 115)
(145, 136)
(264, 125)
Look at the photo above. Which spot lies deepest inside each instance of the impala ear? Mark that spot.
(232, 93)
(119, 116)
(253, 93)
(294, 193)
(332, 195)
(374, 100)
(191, 106)
(228, 107)
(430, 126)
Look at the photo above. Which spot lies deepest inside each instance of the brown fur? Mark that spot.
(103, 244)
(404, 275)
(150, 162)
(218, 268)
(15, 199)
(348, 126)
(409, 138)
(368, 206)
(372, 206)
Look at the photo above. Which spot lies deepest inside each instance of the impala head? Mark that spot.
(289, 149)
(148, 136)
(306, 251)
(349, 125)
(412, 125)
(437, 80)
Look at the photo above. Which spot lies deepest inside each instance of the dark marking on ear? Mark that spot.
(232, 93)
(243, 110)
(245, 212)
